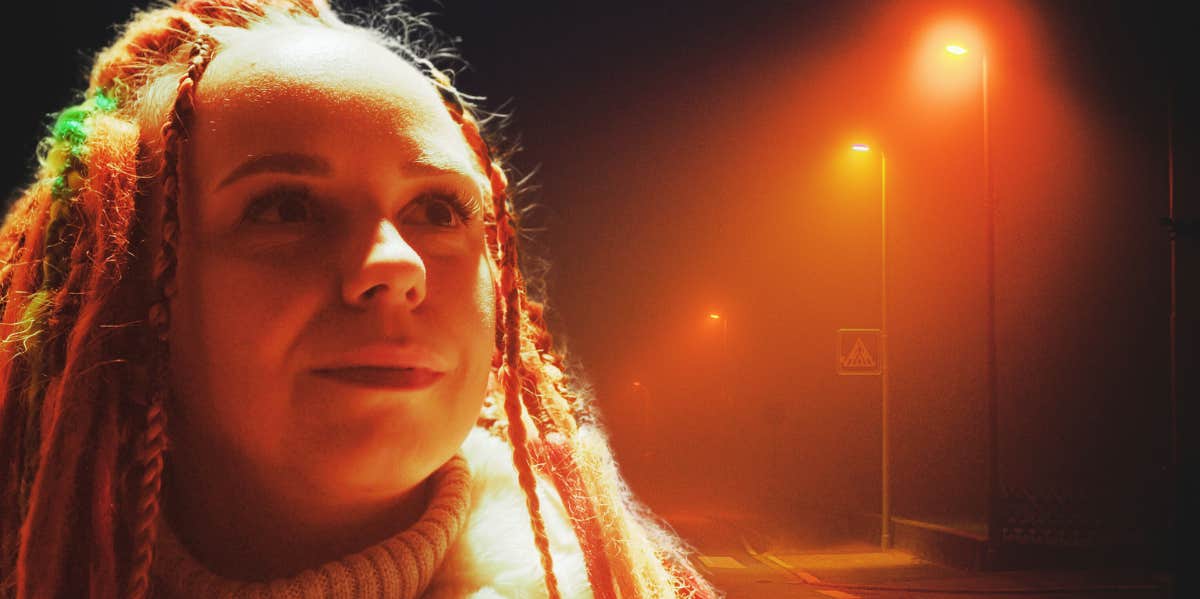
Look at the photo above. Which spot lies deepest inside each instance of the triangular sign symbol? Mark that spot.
(859, 357)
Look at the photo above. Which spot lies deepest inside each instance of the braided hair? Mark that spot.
(86, 280)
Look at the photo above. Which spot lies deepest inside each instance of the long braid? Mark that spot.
(46, 496)
(24, 275)
(617, 544)
(546, 376)
(149, 456)
(53, 302)
(523, 387)
(67, 449)
(153, 441)
(554, 451)
(511, 376)
(511, 291)
(108, 201)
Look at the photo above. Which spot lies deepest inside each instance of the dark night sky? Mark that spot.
(684, 165)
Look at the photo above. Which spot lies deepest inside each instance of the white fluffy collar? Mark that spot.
(494, 556)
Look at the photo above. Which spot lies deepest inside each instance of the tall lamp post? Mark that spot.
(647, 434)
(885, 536)
(724, 335)
(726, 367)
(995, 523)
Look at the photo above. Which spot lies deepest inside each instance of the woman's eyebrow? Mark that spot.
(295, 164)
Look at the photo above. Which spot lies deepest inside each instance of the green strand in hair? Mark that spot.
(67, 164)
(31, 338)
(68, 156)
(35, 312)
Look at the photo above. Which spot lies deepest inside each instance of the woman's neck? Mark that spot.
(252, 532)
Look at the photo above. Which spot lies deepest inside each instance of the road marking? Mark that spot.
(851, 561)
(805, 576)
(771, 560)
(837, 594)
(766, 558)
(720, 561)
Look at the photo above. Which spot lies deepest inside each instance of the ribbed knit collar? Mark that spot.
(399, 567)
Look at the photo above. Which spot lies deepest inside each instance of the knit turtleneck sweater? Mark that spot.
(400, 567)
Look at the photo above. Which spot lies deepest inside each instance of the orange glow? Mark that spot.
(637, 383)
(810, 257)
(941, 70)
(851, 176)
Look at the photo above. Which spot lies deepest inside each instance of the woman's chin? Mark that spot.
(384, 467)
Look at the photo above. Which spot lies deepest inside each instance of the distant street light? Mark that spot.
(993, 512)
(885, 537)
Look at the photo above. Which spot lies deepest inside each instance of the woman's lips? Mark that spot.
(409, 379)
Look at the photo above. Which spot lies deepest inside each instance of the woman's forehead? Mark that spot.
(267, 59)
(286, 89)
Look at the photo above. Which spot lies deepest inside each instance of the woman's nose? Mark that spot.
(392, 272)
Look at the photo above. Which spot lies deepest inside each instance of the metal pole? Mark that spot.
(647, 434)
(725, 338)
(1173, 474)
(725, 356)
(885, 537)
(995, 523)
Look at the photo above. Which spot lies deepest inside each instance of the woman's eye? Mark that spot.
(438, 210)
(282, 206)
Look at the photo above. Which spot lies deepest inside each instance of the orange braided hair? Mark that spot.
(153, 441)
(535, 382)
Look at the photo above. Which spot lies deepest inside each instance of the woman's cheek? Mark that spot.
(465, 282)
(485, 296)
(258, 306)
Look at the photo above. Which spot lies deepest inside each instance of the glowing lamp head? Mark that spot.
(860, 148)
(715, 316)
(956, 49)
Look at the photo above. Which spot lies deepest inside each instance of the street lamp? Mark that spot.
(993, 483)
(885, 536)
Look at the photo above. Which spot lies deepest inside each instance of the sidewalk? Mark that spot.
(753, 557)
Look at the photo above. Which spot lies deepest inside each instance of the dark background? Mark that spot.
(692, 157)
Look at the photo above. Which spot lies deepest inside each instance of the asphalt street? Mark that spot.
(755, 557)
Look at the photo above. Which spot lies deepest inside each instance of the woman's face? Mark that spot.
(333, 328)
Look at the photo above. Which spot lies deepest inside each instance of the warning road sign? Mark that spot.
(858, 352)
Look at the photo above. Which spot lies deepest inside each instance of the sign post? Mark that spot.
(864, 352)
